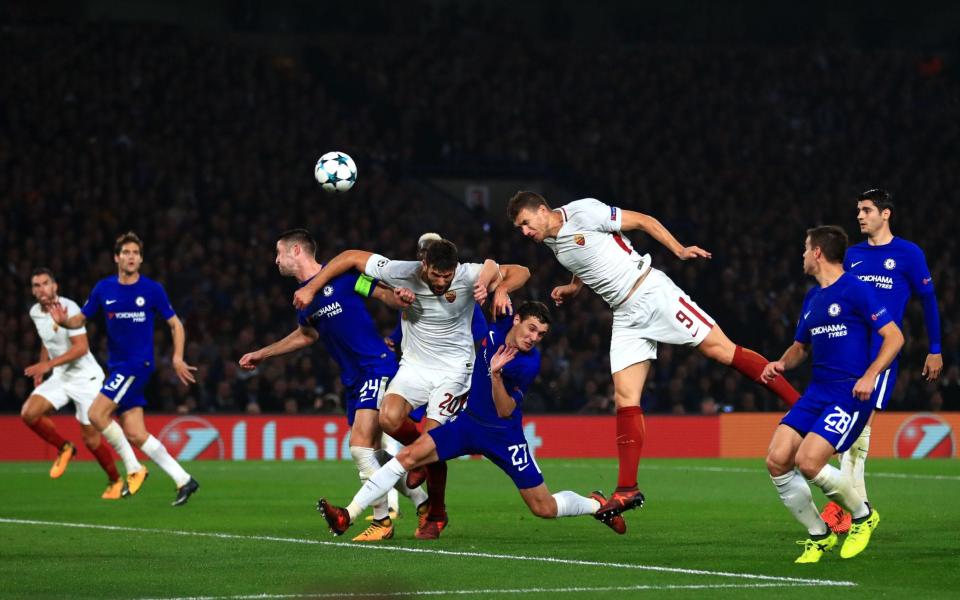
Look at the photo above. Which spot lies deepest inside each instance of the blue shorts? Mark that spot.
(504, 445)
(366, 394)
(831, 411)
(886, 381)
(124, 385)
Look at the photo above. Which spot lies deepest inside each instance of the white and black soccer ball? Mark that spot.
(336, 172)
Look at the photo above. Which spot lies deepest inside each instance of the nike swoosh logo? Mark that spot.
(854, 265)
(806, 314)
(109, 302)
(523, 467)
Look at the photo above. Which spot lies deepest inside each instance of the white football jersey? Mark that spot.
(590, 246)
(436, 329)
(56, 340)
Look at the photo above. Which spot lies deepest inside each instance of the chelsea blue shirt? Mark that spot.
(518, 374)
(838, 322)
(129, 311)
(897, 271)
(347, 330)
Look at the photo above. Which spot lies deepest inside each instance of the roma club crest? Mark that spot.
(579, 240)
(451, 296)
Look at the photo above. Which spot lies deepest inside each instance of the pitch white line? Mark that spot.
(366, 547)
(623, 588)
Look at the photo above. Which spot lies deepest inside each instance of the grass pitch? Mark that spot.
(711, 528)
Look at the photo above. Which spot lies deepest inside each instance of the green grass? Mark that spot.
(702, 515)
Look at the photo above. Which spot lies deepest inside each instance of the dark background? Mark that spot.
(738, 124)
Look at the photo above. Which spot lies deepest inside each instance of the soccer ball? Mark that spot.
(336, 172)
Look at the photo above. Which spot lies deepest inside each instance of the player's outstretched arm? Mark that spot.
(396, 298)
(562, 293)
(793, 356)
(892, 343)
(338, 265)
(512, 277)
(632, 220)
(300, 337)
(58, 312)
(182, 369)
(78, 347)
(501, 397)
(489, 272)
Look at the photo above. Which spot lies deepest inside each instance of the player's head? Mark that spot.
(424, 242)
(824, 244)
(128, 253)
(530, 212)
(293, 248)
(439, 265)
(874, 208)
(43, 285)
(531, 321)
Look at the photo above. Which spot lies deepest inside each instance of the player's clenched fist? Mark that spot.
(562, 293)
(772, 370)
(302, 298)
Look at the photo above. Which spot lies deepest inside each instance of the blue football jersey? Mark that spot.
(129, 311)
(838, 322)
(517, 376)
(347, 330)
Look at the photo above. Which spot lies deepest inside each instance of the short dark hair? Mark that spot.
(441, 255)
(522, 200)
(302, 237)
(532, 308)
(831, 240)
(881, 198)
(127, 238)
(43, 271)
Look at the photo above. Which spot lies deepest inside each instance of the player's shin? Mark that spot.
(45, 428)
(114, 436)
(376, 486)
(750, 365)
(630, 435)
(102, 453)
(366, 461)
(437, 488)
(416, 495)
(158, 454)
(795, 495)
(853, 462)
(571, 504)
(840, 489)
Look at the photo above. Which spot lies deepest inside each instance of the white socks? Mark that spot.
(158, 454)
(417, 496)
(116, 439)
(853, 461)
(376, 487)
(570, 504)
(795, 495)
(839, 488)
(367, 465)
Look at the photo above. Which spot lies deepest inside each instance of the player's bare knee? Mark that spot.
(390, 422)
(778, 465)
(406, 458)
(29, 413)
(809, 466)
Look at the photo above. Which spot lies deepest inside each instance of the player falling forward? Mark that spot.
(76, 377)
(437, 347)
(339, 317)
(129, 301)
(648, 308)
(492, 425)
(836, 323)
(897, 270)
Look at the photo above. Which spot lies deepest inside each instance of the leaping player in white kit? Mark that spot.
(437, 344)
(76, 377)
(647, 308)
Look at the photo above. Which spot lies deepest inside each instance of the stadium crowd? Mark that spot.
(203, 144)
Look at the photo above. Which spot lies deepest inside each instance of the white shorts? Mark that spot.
(658, 311)
(444, 392)
(59, 390)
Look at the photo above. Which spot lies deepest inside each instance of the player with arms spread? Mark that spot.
(339, 318)
(76, 377)
(837, 320)
(437, 347)
(897, 270)
(491, 425)
(129, 301)
(648, 308)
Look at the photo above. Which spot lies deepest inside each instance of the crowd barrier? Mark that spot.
(288, 437)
